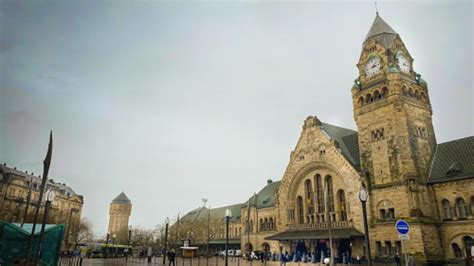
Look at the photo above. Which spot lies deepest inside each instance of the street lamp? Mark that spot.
(113, 245)
(106, 244)
(167, 221)
(50, 195)
(128, 243)
(228, 214)
(363, 197)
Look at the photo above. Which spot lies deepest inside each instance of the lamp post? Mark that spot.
(128, 242)
(106, 244)
(228, 214)
(49, 199)
(363, 197)
(167, 221)
(113, 245)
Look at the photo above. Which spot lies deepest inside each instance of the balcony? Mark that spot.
(325, 225)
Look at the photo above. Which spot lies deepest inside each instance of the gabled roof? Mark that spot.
(265, 197)
(347, 140)
(381, 32)
(453, 160)
(121, 199)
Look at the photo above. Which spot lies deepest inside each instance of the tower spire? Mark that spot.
(376, 8)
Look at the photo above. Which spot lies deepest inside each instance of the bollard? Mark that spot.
(238, 261)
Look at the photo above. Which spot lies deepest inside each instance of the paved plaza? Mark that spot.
(158, 261)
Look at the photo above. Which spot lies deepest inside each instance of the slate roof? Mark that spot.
(61, 187)
(381, 32)
(203, 212)
(453, 160)
(347, 140)
(265, 197)
(121, 199)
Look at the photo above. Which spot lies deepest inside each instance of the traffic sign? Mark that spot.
(403, 237)
(402, 227)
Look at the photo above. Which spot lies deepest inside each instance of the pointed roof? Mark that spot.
(382, 32)
(121, 199)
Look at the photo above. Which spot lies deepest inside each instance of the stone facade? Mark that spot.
(14, 190)
(119, 215)
(393, 154)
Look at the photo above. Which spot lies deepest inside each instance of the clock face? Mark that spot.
(403, 64)
(373, 67)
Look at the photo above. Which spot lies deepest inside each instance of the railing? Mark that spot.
(339, 224)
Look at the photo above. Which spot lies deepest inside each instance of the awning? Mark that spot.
(222, 241)
(337, 233)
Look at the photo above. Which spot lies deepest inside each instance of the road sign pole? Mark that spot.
(405, 251)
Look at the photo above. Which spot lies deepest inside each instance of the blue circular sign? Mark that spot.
(402, 227)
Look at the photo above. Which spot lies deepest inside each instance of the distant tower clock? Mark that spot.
(373, 66)
(403, 63)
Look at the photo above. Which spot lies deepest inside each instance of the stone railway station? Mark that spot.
(393, 154)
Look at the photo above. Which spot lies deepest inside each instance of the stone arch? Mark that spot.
(377, 95)
(330, 196)
(342, 206)
(457, 252)
(360, 101)
(417, 94)
(368, 98)
(248, 247)
(410, 92)
(462, 209)
(447, 213)
(299, 210)
(265, 247)
(404, 90)
(261, 225)
(384, 92)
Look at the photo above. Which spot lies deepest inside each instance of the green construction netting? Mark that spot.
(13, 242)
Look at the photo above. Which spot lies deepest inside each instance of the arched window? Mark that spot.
(404, 90)
(377, 95)
(468, 243)
(266, 227)
(299, 209)
(417, 94)
(368, 98)
(456, 250)
(240, 231)
(272, 226)
(384, 92)
(320, 191)
(330, 196)
(446, 209)
(308, 191)
(262, 228)
(360, 102)
(235, 234)
(410, 92)
(341, 198)
(472, 207)
(462, 209)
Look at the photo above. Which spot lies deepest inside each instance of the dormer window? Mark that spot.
(322, 150)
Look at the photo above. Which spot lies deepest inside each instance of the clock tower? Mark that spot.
(393, 114)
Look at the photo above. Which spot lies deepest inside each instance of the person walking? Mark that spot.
(171, 257)
(283, 259)
(397, 259)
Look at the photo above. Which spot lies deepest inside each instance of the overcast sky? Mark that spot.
(172, 102)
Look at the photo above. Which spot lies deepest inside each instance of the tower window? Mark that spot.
(378, 134)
